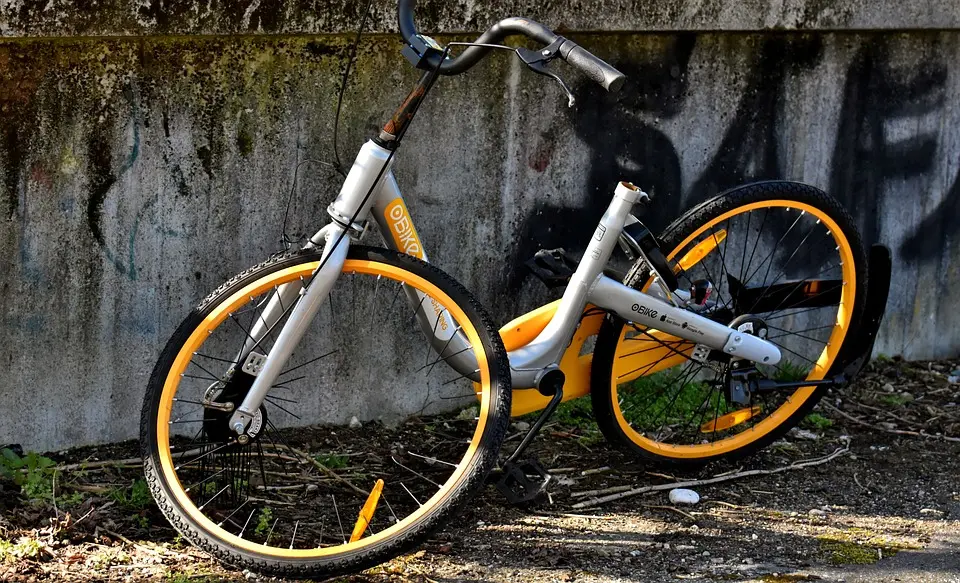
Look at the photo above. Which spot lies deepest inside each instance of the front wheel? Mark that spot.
(778, 259)
(367, 441)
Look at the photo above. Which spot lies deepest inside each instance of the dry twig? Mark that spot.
(893, 431)
(723, 478)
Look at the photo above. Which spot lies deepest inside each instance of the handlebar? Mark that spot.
(591, 65)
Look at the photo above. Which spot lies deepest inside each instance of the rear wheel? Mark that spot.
(784, 261)
(303, 498)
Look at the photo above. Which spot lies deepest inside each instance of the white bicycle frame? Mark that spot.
(529, 363)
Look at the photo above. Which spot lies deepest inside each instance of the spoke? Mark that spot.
(190, 376)
(720, 248)
(414, 472)
(295, 526)
(201, 367)
(202, 456)
(444, 349)
(229, 516)
(311, 361)
(293, 401)
(805, 337)
(426, 358)
(431, 459)
(214, 358)
(281, 407)
(245, 524)
(766, 212)
(660, 392)
(783, 268)
(645, 369)
(269, 534)
(207, 479)
(463, 376)
(442, 359)
(743, 258)
(411, 494)
(803, 311)
(390, 508)
(276, 431)
(682, 387)
(337, 510)
(804, 330)
(222, 490)
(772, 253)
(179, 421)
(716, 415)
(176, 400)
(660, 344)
(793, 351)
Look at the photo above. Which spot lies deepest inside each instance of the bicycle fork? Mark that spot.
(266, 368)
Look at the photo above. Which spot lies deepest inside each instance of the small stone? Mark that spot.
(355, 423)
(311, 488)
(804, 434)
(705, 553)
(694, 527)
(634, 553)
(888, 388)
(754, 536)
(887, 425)
(684, 496)
(521, 426)
(816, 512)
(666, 546)
(748, 561)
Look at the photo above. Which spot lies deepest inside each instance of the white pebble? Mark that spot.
(684, 496)
(355, 423)
(521, 426)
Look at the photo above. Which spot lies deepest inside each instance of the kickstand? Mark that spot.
(522, 482)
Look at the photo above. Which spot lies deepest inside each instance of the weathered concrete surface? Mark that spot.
(137, 174)
(156, 17)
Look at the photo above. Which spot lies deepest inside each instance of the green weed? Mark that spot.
(25, 548)
(32, 472)
(788, 372)
(817, 421)
(659, 400)
(895, 400)
(136, 498)
(332, 460)
(263, 521)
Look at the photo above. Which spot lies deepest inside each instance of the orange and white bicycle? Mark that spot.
(724, 333)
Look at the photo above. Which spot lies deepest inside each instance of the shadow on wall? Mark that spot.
(865, 159)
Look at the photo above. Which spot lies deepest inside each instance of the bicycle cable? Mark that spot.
(285, 241)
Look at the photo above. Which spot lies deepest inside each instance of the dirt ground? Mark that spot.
(885, 508)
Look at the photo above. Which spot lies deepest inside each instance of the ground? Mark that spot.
(885, 508)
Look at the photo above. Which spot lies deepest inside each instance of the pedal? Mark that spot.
(523, 482)
(554, 267)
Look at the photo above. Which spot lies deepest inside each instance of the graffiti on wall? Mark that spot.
(867, 156)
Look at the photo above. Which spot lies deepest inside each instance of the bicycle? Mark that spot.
(686, 365)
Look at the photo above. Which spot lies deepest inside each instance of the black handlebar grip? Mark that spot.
(593, 67)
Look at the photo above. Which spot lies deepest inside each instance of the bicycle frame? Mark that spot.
(360, 197)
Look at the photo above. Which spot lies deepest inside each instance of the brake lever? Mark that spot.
(537, 61)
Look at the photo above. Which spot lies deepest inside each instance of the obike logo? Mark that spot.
(401, 228)
(644, 311)
(405, 236)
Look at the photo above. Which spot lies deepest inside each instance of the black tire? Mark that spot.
(603, 388)
(477, 462)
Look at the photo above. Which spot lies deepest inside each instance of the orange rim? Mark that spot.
(796, 399)
(220, 313)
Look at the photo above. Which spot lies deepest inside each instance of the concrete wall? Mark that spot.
(137, 173)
